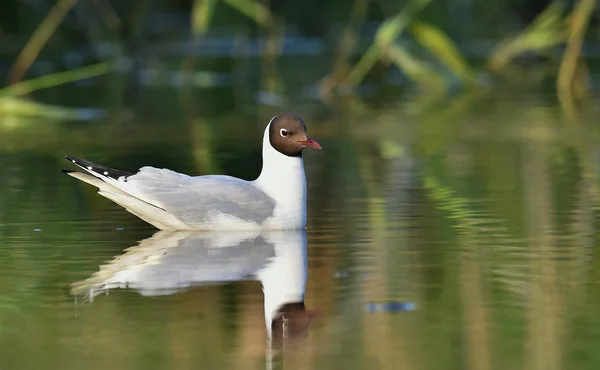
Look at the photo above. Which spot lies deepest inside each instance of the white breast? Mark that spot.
(283, 179)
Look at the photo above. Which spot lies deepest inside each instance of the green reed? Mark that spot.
(422, 50)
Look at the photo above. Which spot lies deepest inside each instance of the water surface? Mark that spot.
(480, 214)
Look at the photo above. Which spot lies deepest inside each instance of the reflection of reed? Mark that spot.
(582, 230)
(475, 315)
(387, 338)
(545, 314)
(186, 340)
(252, 337)
(472, 230)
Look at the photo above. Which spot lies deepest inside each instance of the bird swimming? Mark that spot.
(276, 200)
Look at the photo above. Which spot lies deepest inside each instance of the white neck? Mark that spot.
(284, 277)
(283, 179)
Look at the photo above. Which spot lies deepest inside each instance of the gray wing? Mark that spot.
(196, 200)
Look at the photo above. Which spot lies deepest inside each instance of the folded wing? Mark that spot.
(203, 199)
(170, 200)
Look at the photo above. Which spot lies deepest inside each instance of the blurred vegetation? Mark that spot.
(432, 44)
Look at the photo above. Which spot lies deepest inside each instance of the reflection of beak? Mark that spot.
(310, 143)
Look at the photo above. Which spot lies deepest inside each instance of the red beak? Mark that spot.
(310, 143)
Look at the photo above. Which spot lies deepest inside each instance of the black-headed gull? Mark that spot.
(276, 200)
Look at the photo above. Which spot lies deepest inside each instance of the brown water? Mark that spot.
(480, 213)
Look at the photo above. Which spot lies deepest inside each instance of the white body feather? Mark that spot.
(276, 200)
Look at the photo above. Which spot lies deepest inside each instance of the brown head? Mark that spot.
(291, 321)
(287, 134)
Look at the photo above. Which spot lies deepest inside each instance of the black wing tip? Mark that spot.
(97, 169)
(66, 171)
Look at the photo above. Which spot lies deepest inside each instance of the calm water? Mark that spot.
(478, 214)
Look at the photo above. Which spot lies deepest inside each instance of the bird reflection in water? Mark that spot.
(170, 262)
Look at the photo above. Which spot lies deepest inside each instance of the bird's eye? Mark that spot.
(283, 132)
